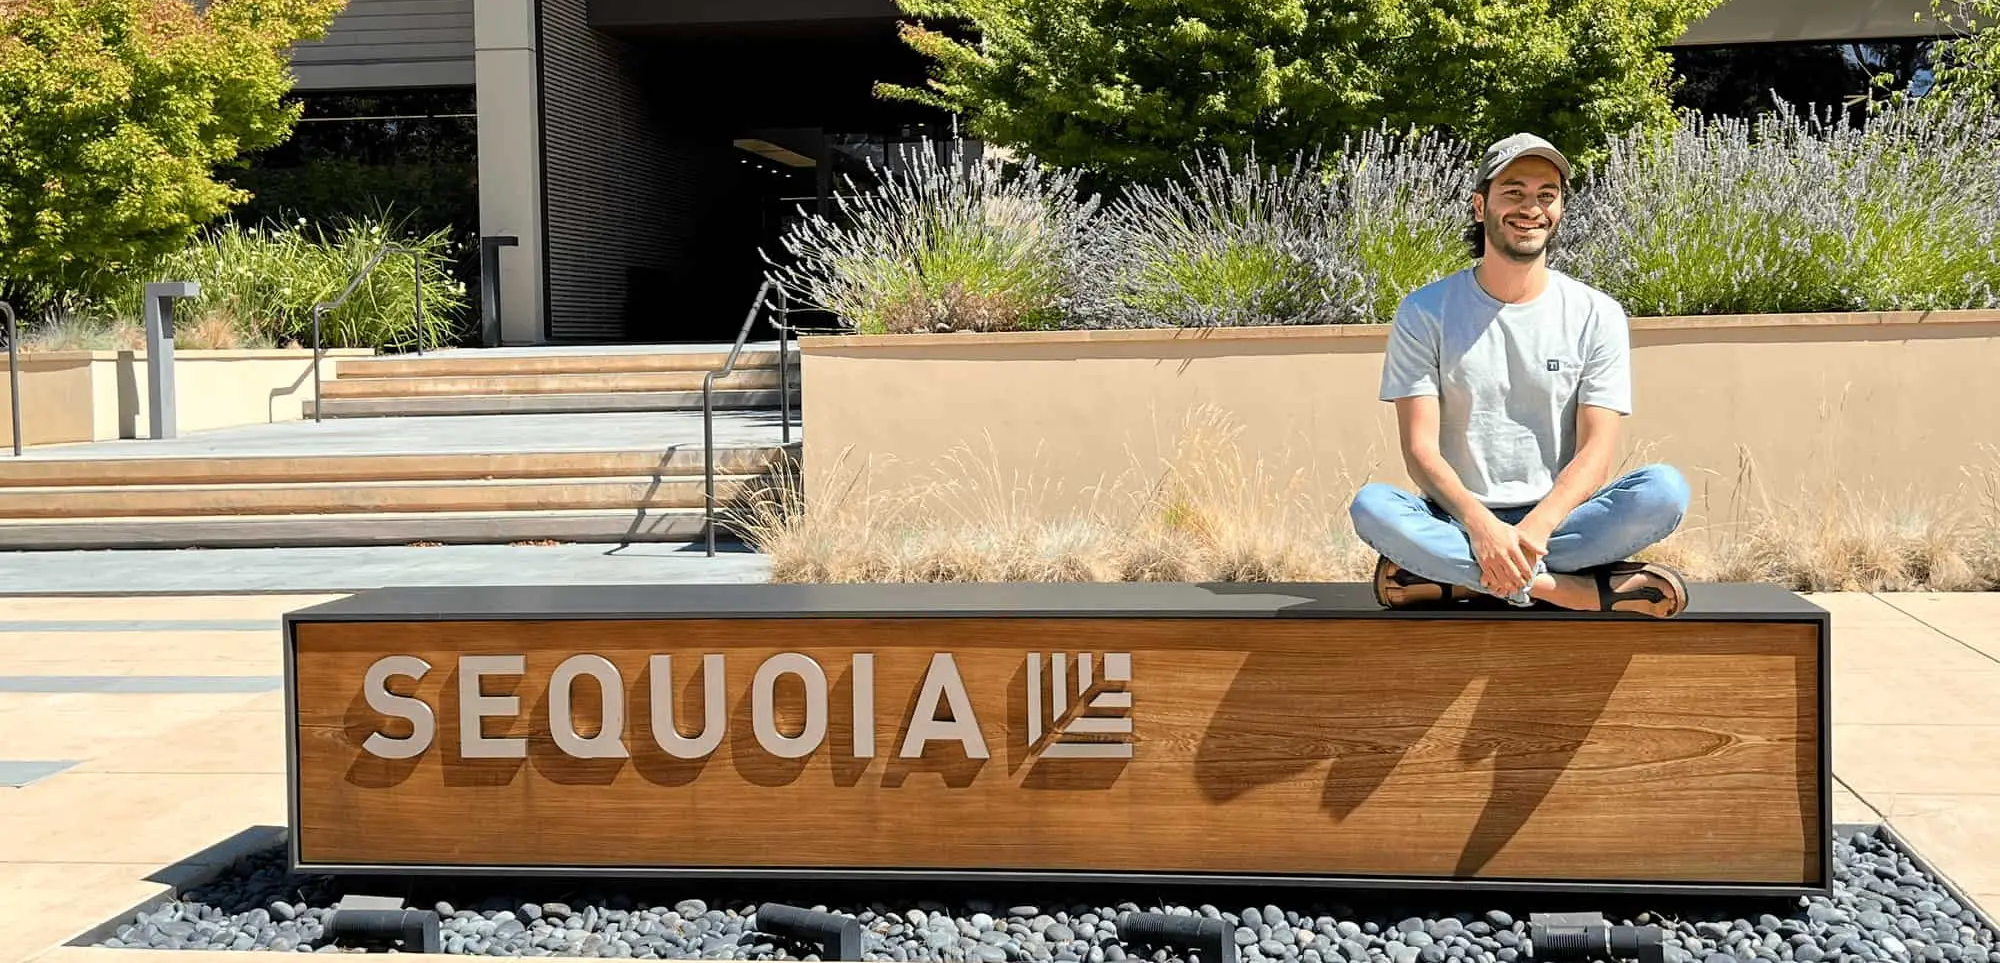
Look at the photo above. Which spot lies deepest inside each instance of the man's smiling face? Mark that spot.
(1521, 209)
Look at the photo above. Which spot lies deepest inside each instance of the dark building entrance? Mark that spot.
(679, 138)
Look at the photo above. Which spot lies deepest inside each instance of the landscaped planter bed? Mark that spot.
(83, 396)
(1885, 907)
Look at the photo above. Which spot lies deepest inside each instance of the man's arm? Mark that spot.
(1587, 471)
(1417, 425)
(1503, 565)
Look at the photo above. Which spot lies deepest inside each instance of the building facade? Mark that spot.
(640, 152)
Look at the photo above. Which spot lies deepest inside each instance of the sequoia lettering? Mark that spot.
(940, 691)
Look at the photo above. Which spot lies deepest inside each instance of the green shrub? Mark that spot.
(265, 280)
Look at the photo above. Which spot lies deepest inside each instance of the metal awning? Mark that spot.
(1784, 21)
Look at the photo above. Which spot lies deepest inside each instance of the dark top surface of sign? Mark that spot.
(1730, 602)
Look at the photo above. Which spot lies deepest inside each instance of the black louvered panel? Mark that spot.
(616, 183)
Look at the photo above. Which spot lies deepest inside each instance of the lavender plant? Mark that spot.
(944, 243)
(1405, 200)
(1228, 244)
(1795, 211)
(1792, 211)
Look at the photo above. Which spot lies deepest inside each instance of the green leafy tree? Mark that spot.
(1966, 59)
(113, 117)
(1132, 89)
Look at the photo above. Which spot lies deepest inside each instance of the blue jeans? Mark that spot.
(1626, 516)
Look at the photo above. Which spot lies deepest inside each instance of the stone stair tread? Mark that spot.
(550, 403)
(486, 385)
(7, 494)
(182, 469)
(454, 365)
(594, 526)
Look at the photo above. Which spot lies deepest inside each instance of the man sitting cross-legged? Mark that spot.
(1509, 380)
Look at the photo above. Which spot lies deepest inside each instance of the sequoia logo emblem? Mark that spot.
(1097, 724)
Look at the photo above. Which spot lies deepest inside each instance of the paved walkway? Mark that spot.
(141, 734)
(265, 570)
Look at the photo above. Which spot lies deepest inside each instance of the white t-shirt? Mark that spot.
(1509, 377)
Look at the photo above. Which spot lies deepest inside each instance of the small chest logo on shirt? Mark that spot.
(1555, 364)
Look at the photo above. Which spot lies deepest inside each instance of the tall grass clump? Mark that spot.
(1228, 245)
(262, 281)
(944, 242)
(1794, 212)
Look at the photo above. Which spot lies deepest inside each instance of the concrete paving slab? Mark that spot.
(140, 683)
(155, 819)
(1965, 826)
(138, 625)
(187, 607)
(448, 434)
(228, 743)
(142, 653)
(1881, 762)
(341, 570)
(86, 726)
(1972, 618)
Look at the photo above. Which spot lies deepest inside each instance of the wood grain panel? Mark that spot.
(1646, 751)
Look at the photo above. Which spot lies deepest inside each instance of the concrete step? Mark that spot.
(336, 498)
(685, 461)
(476, 363)
(611, 526)
(593, 383)
(547, 403)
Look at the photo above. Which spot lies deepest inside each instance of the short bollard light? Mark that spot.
(1213, 939)
(838, 937)
(411, 930)
(159, 311)
(1588, 936)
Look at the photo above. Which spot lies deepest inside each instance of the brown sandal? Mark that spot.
(1398, 587)
(1661, 591)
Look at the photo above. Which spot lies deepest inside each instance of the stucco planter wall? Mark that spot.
(1888, 403)
(79, 396)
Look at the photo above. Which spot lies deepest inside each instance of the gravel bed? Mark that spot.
(1883, 909)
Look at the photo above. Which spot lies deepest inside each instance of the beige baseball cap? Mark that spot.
(1516, 147)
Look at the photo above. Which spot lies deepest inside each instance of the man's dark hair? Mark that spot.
(1475, 232)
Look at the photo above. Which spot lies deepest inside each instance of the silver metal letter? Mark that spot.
(714, 708)
(609, 743)
(864, 705)
(764, 691)
(473, 707)
(942, 679)
(423, 722)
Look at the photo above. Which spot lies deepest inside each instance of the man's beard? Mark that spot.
(1497, 241)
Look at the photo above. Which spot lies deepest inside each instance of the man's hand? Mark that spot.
(1534, 534)
(1504, 566)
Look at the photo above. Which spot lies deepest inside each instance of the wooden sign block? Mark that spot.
(1275, 733)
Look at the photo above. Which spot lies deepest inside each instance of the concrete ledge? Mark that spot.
(824, 344)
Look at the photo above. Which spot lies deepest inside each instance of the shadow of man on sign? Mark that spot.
(1383, 713)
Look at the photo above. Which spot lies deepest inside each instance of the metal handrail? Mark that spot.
(708, 398)
(416, 274)
(13, 371)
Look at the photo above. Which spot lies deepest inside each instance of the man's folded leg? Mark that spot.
(1428, 547)
(1631, 514)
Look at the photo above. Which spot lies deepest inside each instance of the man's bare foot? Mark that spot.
(1641, 588)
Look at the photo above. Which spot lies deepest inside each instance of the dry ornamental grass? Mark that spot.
(1210, 513)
